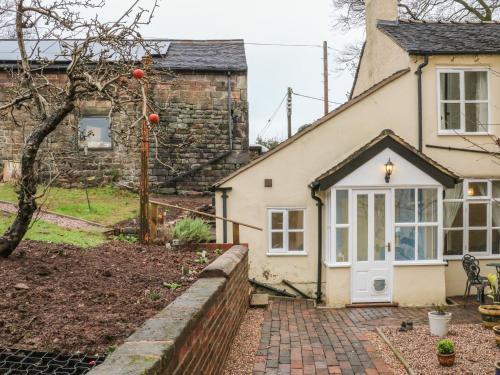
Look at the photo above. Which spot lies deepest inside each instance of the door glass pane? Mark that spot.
(277, 240)
(477, 189)
(405, 243)
(379, 227)
(296, 241)
(277, 220)
(427, 205)
(495, 184)
(495, 214)
(450, 86)
(427, 243)
(342, 241)
(296, 219)
(450, 116)
(477, 240)
(453, 214)
(478, 214)
(455, 193)
(495, 233)
(362, 227)
(342, 207)
(405, 205)
(453, 242)
(476, 117)
(476, 85)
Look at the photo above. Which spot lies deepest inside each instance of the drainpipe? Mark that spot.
(224, 212)
(230, 110)
(319, 203)
(420, 115)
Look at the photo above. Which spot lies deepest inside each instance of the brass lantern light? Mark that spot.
(389, 167)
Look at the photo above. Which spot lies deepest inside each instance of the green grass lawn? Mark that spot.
(108, 205)
(43, 231)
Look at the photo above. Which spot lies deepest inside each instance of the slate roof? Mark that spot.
(197, 55)
(444, 38)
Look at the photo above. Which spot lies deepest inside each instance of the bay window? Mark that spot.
(463, 100)
(286, 230)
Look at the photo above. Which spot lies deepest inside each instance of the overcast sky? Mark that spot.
(271, 69)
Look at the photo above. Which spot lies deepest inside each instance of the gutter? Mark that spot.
(448, 148)
(319, 203)
(418, 72)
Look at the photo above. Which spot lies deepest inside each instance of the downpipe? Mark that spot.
(418, 72)
(319, 203)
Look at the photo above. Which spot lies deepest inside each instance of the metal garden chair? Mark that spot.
(474, 279)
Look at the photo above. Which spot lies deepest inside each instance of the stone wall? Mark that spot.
(194, 333)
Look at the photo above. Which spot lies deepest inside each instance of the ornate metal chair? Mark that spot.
(474, 279)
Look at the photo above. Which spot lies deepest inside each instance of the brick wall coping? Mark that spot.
(154, 347)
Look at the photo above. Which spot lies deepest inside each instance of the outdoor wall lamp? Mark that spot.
(389, 167)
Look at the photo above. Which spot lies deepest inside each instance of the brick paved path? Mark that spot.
(298, 338)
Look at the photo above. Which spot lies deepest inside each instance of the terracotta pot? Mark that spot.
(490, 315)
(446, 359)
(496, 329)
(497, 368)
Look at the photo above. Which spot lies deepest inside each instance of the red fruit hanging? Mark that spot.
(154, 118)
(138, 73)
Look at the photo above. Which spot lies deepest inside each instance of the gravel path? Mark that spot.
(242, 355)
(475, 347)
(386, 353)
(62, 221)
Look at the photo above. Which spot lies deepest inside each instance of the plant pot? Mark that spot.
(490, 315)
(496, 329)
(497, 368)
(446, 359)
(438, 323)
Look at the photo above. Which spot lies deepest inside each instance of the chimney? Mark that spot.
(379, 10)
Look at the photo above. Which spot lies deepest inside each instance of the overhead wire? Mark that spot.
(266, 127)
(314, 98)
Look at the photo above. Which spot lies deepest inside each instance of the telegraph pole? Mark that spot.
(289, 111)
(325, 75)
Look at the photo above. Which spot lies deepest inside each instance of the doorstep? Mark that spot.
(371, 304)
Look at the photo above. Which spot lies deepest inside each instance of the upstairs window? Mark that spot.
(463, 101)
(94, 132)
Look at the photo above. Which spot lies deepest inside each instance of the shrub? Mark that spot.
(192, 231)
(446, 346)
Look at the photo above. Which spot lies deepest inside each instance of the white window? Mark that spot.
(416, 224)
(472, 218)
(286, 230)
(94, 132)
(338, 228)
(463, 101)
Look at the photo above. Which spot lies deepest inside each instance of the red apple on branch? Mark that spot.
(154, 118)
(138, 73)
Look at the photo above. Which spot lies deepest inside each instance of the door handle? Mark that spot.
(389, 247)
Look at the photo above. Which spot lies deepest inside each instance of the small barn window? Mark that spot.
(94, 132)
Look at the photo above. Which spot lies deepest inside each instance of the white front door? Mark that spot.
(372, 257)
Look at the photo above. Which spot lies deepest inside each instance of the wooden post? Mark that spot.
(325, 76)
(289, 111)
(153, 221)
(236, 234)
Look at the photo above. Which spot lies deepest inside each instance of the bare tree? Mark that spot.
(350, 14)
(96, 59)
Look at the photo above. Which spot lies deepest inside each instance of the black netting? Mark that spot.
(27, 362)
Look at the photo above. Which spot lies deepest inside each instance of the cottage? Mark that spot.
(202, 95)
(379, 200)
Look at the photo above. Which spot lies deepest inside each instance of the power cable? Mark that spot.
(266, 127)
(312, 97)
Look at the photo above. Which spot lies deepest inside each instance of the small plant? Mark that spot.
(445, 347)
(153, 295)
(202, 257)
(110, 349)
(494, 291)
(439, 309)
(218, 251)
(172, 286)
(130, 238)
(192, 231)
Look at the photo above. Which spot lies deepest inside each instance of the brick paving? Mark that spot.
(299, 339)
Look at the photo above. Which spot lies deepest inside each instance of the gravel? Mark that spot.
(242, 354)
(386, 353)
(476, 351)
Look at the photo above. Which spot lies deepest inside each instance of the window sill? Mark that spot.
(478, 256)
(419, 263)
(337, 265)
(458, 133)
(289, 254)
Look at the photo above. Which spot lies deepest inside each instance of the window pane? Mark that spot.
(95, 131)
(277, 220)
(427, 205)
(495, 184)
(453, 242)
(427, 243)
(450, 116)
(296, 241)
(296, 219)
(478, 214)
(495, 214)
(476, 85)
(477, 240)
(405, 205)
(342, 241)
(277, 240)
(405, 243)
(476, 117)
(495, 248)
(453, 214)
(342, 207)
(379, 227)
(450, 86)
(455, 193)
(362, 227)
(477, 189)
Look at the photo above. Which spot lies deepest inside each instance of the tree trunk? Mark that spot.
(26, 198)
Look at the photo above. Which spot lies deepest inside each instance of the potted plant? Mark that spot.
(446, 352)
(490, 314)
(439, 320)
(496, 329)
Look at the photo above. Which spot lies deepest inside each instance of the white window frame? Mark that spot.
(331, 258)
(467, 201)
(285, 250)
(461, 71)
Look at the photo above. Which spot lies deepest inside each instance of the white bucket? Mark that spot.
(438, 324)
